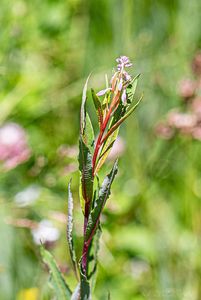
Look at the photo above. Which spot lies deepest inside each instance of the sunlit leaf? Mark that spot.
(83, 107)
(98, 107)
(82, 201)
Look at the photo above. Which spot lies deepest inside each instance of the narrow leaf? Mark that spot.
(82, 201)
(88, 135)
(62, 290)
(119, 112)
(98, 107)
(118, 123)
(70, 229)
(85, 167)
(104, 193)
(83, 107)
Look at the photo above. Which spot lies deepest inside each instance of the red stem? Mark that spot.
(99, 140)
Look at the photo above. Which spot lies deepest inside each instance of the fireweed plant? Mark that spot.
(113, 105)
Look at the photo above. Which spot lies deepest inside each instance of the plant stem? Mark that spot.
(87, 204)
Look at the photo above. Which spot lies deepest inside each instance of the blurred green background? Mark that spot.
(151, 241)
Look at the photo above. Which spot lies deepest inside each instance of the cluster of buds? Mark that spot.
(185, 121)
(120, 80)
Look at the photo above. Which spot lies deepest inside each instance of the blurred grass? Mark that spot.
(151, 239)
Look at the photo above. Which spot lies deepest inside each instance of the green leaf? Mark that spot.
(98, 107)
(62, 290)
(86, 128)
(83, 107)
(106, 149)
(84, 286)
(103, 195)
(70, 229)
(85, 167)
(130, 90)
(119, 112)
(88, 136)
(82, 201)
(118, 123)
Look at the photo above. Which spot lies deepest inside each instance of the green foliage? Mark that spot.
(47, 50)
(61, 288)
(83, 110)
(131, 89)
(100, 203)
(98, 106)
(85, 166)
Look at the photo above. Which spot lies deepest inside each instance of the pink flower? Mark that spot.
(181, 120)
(187, 88)
(196, 64)
(164, 131)
(196, 107)
(123, 62)
(14, 149)
(196, 133)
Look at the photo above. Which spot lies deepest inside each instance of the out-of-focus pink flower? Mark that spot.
(196, 133)
(187, 88)
(164, 131)
(196, 107)
(14, 148)
(117, 149)
(198, 84)
(70, 168)
(196, 64)
(68, 151)
(181, 120)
